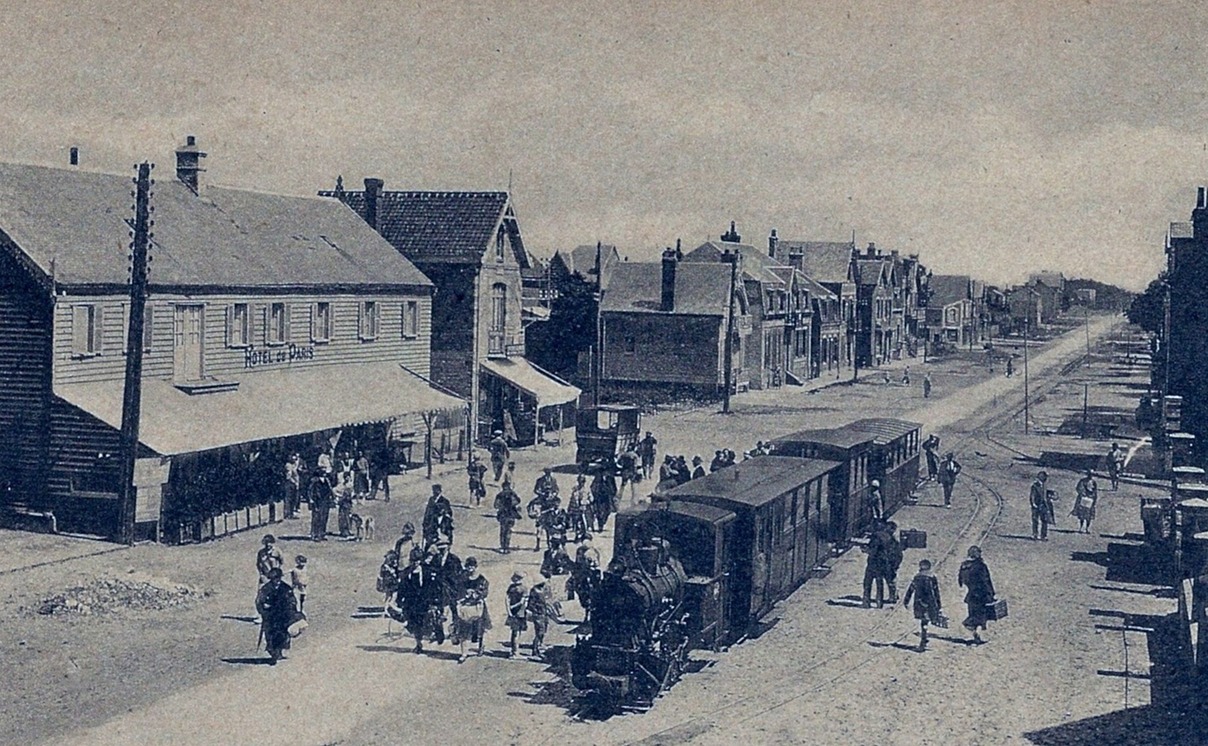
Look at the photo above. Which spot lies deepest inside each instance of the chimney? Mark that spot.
(373, 190)
(667, 297)
(871, 251)
(894, 254)
(188, 164)
(74, 157)
(731, 236)
(773, 241)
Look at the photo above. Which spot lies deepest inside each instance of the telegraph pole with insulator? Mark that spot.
(140, 232)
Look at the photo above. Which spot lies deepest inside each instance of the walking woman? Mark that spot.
(473, 618)
(1085, 502)
(974, 577)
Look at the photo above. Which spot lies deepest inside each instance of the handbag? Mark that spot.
(1087, 502)
(996, 610)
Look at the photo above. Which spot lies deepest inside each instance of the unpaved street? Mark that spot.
(822, 671)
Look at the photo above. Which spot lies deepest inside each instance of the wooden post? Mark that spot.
(132, 390)
(428, 419)
(732, 258)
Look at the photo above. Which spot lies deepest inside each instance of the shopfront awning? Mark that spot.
(271, 404)
(529, 378)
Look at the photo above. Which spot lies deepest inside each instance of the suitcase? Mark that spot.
(913, 538)
(996, 610)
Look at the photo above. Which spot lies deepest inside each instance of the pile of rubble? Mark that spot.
(111, 593)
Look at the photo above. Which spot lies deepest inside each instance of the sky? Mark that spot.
(993, 139)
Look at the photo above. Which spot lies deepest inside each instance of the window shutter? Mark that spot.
(263, 314)
(314, 322)
(285, 310)
(361, 319)
(230, 323)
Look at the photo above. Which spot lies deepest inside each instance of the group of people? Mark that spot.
(1041, 501)
(944, 471)
(980, 599)
(334, 481)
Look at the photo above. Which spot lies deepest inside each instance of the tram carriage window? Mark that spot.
(605, 420)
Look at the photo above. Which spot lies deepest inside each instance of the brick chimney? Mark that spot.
(188, 164)
(1199, 216)
(773, 242)
(373, 193)
(667, 296)
(74, 156)
(731, 236)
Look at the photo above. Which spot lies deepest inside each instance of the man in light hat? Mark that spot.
(447, 569)
(876, 501)
(1040, 498)
(517, 601)
(500, 453)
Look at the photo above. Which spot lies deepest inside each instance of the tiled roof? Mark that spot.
(947, 289)
(756, 264)
(428, 227)
(824, 261)
(871, 270)
(813, 288)
(1054, 280)
(72, 224)
(701, 288)
(582, 259)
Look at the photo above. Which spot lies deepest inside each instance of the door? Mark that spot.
(187, 345)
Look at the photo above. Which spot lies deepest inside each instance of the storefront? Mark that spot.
(221, 454)
(526, 403)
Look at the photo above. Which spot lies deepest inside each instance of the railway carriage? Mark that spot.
(848, 484)
(895, 457)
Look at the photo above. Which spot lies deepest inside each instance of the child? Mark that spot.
(517, 600)
(925, 590)
(539, 607)
(298, 579)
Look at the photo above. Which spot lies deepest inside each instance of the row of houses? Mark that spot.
(795, 311)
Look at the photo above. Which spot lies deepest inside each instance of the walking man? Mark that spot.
(507, 512)
(293, 485)
(628, 464)
(1115, 465)
(875, 568)
(926, 385)
(931, 448)
(438, 518)
(1010, 367)
(876, 502)
(320, 506)
(949, 470)
(500, 453)
(1042, 507)
(646, 450)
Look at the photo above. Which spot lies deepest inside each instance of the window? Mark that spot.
(500, 240)
(369, 319)
(499, 307)
(277, 332)
(85, 332)
(320, 322)
(410, 321)
(239, 325)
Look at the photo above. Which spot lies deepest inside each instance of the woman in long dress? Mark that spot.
(974, 577)
(473, 615)
(1085, 502)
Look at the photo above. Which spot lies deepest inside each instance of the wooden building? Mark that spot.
(274, 323)
(469, 244)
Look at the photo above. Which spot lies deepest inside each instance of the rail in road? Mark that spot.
(988, 505)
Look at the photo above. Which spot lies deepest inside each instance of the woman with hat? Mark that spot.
(974, 576)
(473, 616)
(1085, 501)
(418, 592)
(278, 609)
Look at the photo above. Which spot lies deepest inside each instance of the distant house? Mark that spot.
(664, 328)
(1026, 308)
(1051, 288)
(469, 244)
(582, 261)
(273, 324)
(768, 296)
(832, 265)
(950, 310)
(877, 333)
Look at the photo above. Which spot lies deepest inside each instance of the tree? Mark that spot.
(1148, 309)
(555, 344)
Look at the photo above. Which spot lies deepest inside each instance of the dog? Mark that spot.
(362, 527)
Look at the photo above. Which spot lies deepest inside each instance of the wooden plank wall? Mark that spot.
(24, 383)
(226, 362)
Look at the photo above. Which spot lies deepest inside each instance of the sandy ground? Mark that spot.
(820, 672)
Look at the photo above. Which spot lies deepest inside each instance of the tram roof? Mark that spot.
(753, 482)
(700, 511)
(841, 437)
(885, 428)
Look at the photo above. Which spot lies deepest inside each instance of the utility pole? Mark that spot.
(1026, 323)
(1086, 323)
(597, 357)
(1085, 392)
(732, 258)
(132, 391)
